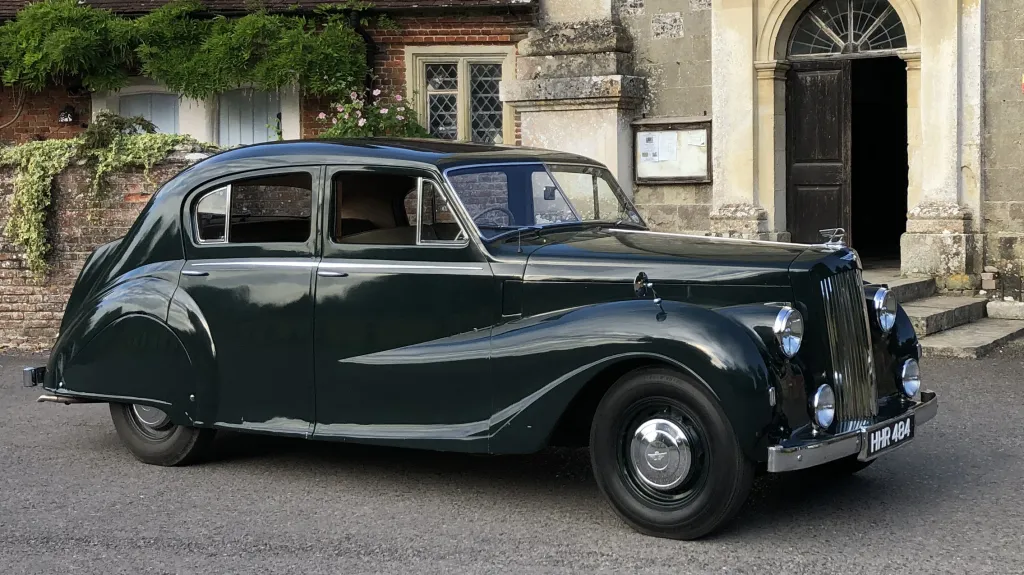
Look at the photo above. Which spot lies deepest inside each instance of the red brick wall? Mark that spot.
(38, 119)
(31, 307)
(424, 30)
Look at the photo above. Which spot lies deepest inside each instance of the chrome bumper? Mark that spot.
(809, 454)
(32, 376)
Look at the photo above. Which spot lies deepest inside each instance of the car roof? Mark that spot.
(439, 153)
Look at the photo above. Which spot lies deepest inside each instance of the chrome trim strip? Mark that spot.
(791, 458)
(358, 265)
(715, 238)
(261, 263)
(420, 242)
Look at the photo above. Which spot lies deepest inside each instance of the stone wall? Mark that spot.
(31, 307)
(1003, 139)
(672, 40)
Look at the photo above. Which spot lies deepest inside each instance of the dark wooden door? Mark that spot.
(818, 114)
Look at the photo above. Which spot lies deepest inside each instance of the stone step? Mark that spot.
(906, 289)
(938, 313)
(973, 340)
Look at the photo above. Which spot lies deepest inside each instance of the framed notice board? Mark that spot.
(672, 150)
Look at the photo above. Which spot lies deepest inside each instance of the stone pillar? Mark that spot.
(771, 145)
(940, 239)
(736, 211)
(575, 90)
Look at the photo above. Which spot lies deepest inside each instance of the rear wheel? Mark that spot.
(152, 438)
(665, 455)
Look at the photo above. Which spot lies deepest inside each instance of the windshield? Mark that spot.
(509, 197)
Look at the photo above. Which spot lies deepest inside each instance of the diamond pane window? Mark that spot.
(485, 105)
(847, 27)
(443, 113)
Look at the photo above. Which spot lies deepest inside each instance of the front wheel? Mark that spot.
(152, 438)
(665, 455)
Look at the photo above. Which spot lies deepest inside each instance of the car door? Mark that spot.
(404, 305)
(251, 252)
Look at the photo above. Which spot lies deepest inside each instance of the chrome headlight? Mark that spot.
(885, 309)
(823, 405)
(789, 331)
(911, 378)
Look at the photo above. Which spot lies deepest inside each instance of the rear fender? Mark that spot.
(541, 363)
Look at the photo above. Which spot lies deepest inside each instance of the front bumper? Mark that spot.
(791, 457)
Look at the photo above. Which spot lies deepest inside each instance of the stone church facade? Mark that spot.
(898, 120)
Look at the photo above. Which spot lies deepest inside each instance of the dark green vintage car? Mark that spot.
(489, 300)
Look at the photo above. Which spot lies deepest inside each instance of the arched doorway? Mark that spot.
(846, 124)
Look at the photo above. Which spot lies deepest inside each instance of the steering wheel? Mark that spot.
(511, 218)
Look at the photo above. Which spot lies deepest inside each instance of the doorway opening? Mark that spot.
(878, 159)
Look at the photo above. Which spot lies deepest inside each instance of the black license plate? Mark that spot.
(889, 436)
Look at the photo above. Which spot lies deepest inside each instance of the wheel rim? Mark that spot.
(664, 457)
(151, 422)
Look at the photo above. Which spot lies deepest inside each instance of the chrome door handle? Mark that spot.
(196, 273)
(330, 274)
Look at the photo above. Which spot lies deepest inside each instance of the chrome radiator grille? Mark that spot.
(853, 374)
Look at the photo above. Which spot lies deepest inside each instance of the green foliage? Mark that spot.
(385, 116)
(54, 41)
(58, 41)
(111, 144)
(35, 164)
(108, 126)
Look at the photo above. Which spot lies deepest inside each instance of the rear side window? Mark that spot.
(268, 209)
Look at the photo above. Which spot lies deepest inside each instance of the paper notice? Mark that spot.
(668, 146)
(649, 147)
(697, 138)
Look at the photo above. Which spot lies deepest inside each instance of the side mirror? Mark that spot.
(640, 285)
(549, 192)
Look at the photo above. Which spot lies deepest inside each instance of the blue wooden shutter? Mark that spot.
(247, 117)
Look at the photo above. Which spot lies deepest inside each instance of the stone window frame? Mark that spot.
(417, 58)
(199, 118)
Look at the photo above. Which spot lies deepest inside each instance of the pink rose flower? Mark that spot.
(362, 122)
(346, 116)
(334, 120)
(353, 95)
(398, 97)
(376, 92)
(321, 116)
(399, 118)
(383, 110)
(359, 114)
(340, 109)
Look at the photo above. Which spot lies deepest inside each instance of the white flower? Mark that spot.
(399, 118)
(376, 92)
(383, 110)
(362, 122)
(321, 116)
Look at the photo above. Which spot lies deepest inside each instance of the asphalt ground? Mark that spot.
(72, 500)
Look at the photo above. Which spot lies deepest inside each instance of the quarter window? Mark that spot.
(270, 209)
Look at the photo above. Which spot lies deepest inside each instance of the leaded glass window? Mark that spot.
(847, 27)
(462, 100)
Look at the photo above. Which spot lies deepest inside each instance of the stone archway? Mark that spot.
(774, 31)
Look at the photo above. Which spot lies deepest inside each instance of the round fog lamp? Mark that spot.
(885, 309)
(911, 377)
(824, 405)
(789, 330)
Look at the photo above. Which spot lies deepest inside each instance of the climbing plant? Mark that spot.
(64, 42)
(111, 144)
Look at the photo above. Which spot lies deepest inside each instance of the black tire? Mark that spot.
(841, 467)
(164, 444)
(719, 476)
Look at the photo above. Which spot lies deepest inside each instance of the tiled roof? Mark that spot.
(8, 8)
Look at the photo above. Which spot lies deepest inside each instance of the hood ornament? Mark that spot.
(833, 237)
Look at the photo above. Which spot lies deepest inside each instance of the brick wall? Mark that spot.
(30, 307)
(425, 30)
(38, 119)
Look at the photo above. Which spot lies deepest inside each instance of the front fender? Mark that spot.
(542, 362)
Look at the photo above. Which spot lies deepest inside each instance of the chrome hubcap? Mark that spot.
(660, 453)
(150, 416)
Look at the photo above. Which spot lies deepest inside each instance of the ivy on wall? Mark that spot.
(111, 144)
(196, 54)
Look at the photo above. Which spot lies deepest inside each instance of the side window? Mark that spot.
(386, 209)
(268, 209)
